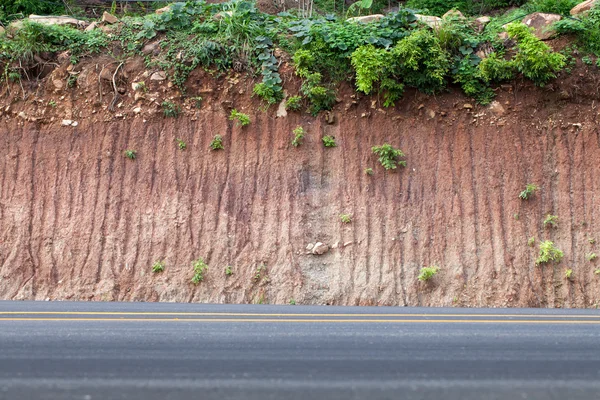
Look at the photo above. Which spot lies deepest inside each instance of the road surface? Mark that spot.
(150, 351)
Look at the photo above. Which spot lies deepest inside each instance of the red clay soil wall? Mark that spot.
(78, 220)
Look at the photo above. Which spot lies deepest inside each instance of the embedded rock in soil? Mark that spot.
(430, 20)
(366, 18)
(109, 18)
(320, 249)
(541, 23)
(585, 7)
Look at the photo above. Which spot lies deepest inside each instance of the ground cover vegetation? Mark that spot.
(383, 57)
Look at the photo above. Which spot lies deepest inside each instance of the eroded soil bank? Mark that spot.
(78, 220)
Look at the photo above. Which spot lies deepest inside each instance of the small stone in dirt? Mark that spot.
(137, 110)
(74, 123)
(431, 114)
(91, 26)
(66, 122)
(58, 84)
(149, 48)
(330, 117)
(310, 246)
(281, 111)
(481, 22)
(320, 248)
(335, 245)
(109, 18)
(468, 106)
(22, 115)
(497, 109)
(158, 76)
(347, 243)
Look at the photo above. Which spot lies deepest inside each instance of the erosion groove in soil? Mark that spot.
(79, 220)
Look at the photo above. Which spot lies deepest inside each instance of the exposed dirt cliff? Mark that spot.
(78, 220)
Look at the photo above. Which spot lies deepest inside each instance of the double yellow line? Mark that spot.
(103, 316)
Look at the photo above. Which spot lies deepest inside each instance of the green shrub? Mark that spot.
(158, 266)
(200, 268)
(181, 144)
(329, 141)
(293, 103)
(534, 58)
(266, 93)
(388, 156)
(476, 7)
(298, 136)
(549, 252)
(131, 154)
(569, 274)
(551, 220)
(551, 6)
(346, 218)
(217, 143)
(240, 118)
(495, 68)
(11, 9)
(170, 109)
(530, 189)
(427, 273)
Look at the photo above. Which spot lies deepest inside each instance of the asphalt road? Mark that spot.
(150, 351)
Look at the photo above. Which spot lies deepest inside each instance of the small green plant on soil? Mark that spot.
(591, 256)
(240, 118)
(200, 268)
(197, 101)
(531, 241)
(158, 266)
(530, 189)
(597, 272)
(260, 271)
(346, 218)
(569, 274)
(329, 141)
(549, 252)
(292, 302)
(170, 109)
(587, 60)
(181, 144)
(591, 240)
(369, 171)
(228, 270)
(388, 156)
(131, 154)
(516, 216)
(298, 136)
(52, 103)
(427, 273)
(551, 220)
(140, 87)
(72, 81)
(217, 143)
(294, 103)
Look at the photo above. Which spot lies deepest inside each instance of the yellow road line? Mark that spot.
(419, 321)
(220, 314)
